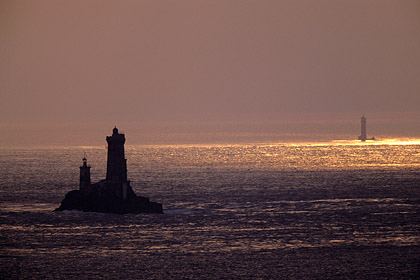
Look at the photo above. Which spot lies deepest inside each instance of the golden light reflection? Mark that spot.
(387, 141)
(335, 154)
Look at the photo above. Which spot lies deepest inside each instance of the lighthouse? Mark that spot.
(84, 175)
(117, 164)
(113, 194)
(363, 135)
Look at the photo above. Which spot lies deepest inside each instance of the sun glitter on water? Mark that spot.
(387, 141)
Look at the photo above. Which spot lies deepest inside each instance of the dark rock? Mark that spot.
(107, 202)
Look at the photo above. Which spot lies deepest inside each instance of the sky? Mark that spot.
(89, 61)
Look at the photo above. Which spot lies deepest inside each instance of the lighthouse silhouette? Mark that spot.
(113, 194)
(363, 135)
(117, 164)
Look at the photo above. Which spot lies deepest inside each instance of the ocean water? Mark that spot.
(333, 210)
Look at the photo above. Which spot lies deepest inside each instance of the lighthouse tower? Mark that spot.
(84, 175)
(363, 135)
(117, 164)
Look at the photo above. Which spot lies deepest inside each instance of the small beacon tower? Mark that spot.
(84, 175)
(117, 164)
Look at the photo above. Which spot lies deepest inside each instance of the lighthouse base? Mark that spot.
(105, 200)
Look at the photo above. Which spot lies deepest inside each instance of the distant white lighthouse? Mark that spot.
(363, 135)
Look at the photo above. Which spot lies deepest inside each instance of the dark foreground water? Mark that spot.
(267, 211)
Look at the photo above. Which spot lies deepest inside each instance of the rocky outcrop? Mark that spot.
(107, 202)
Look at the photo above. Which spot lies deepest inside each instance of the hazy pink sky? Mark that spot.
(158, 60)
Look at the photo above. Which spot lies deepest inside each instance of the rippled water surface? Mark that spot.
(337, 210)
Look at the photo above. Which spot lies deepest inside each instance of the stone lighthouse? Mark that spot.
(84, 175)
(113, 194)
(117, 164)
(363, 135)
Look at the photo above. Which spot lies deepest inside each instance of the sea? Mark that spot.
(267, 210)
